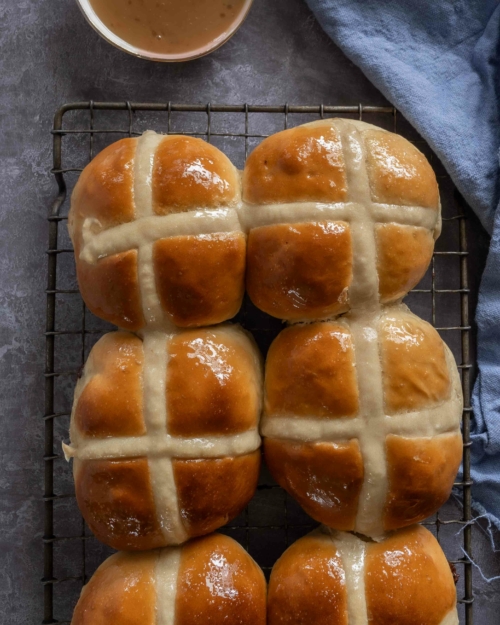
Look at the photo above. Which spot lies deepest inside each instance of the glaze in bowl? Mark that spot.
(98, 25)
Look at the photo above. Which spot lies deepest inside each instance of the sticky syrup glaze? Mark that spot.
(169, 26)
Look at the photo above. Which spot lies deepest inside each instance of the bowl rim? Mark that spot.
(108, 35)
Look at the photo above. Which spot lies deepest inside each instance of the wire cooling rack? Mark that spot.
(272, 520)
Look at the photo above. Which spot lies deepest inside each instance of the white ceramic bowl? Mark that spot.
(93, 19)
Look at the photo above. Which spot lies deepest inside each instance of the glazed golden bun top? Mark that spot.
(332, 577)
(362, 419)
(159, 426)
(208, 580)
(309, 163)
(187, 174)
(340, 215)
(156, 233)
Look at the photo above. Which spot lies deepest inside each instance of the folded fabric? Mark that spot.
(439, 64)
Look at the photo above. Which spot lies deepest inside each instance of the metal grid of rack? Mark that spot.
(272, 520)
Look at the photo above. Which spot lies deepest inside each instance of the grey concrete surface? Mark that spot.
(49, 55)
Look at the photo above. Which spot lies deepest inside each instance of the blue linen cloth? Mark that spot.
(438, 62)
